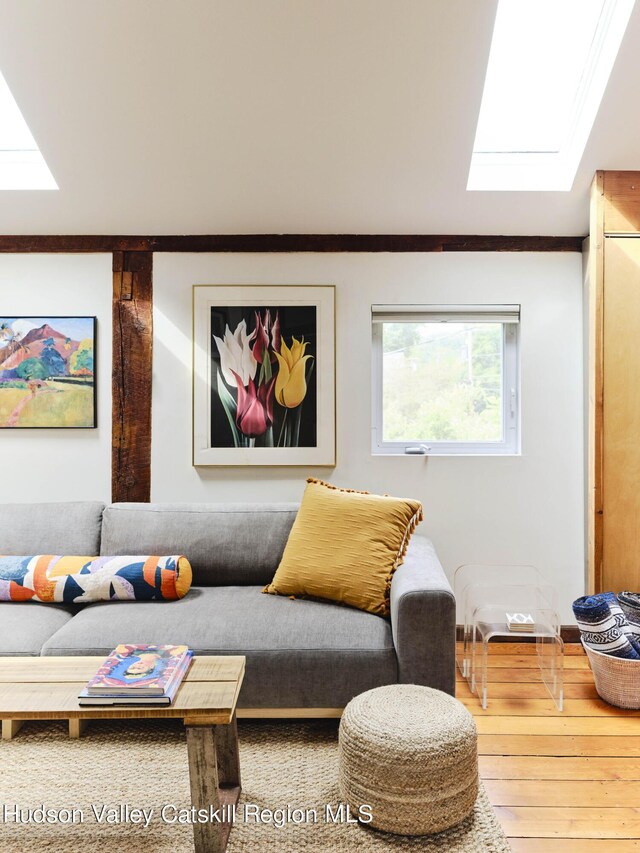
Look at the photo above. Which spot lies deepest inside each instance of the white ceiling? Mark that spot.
(265, 116)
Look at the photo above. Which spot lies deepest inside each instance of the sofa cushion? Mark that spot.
(225, 543)
(345, 546)
(24, 628)
(51, 528)
(80, 580)
(299, 653)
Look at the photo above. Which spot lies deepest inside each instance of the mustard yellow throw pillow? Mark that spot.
(345, 546)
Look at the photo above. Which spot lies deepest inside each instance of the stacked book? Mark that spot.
(138, 675)
(521, 623)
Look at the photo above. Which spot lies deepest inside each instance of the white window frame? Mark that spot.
(509, 316)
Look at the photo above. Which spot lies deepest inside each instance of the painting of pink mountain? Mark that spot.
(47, 372)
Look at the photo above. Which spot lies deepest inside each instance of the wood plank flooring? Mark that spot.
(559, 782)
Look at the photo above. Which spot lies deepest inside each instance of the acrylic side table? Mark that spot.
(466, 579)
(486, 602)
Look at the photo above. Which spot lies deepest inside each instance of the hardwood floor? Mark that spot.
(560, 782)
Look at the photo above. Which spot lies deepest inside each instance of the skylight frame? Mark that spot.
(556, 170)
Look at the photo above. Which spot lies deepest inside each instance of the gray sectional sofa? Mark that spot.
(301, 654)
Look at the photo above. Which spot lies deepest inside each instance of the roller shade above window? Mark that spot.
(445, 313)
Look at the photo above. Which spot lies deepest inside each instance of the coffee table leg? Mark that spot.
(228, 756)
(10, 728)
(203, 775)
(77, 727)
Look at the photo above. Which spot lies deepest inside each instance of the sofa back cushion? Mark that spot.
(226, 544)
(50, 528)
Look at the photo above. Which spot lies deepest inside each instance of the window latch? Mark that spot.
(417, 450)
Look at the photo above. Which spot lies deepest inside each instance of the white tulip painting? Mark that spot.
(236, 355)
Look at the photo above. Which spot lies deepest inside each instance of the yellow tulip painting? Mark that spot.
(264, 374)
(291, 384)
(264, 392)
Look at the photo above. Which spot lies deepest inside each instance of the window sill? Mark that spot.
(447, 453)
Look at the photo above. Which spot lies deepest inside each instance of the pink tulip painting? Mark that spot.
(266, 336)
(264, 374)
(254, 413)
(263, 382)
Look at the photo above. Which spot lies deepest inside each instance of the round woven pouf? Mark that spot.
(410, 753)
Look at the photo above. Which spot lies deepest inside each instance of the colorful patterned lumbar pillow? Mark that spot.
(78, 580)
(345, 546)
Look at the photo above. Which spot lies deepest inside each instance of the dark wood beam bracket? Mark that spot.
(290, 243)
(131, 376)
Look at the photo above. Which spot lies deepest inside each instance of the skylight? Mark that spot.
(22, 166)
(549, 65)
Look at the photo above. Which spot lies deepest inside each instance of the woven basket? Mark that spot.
(617, 679)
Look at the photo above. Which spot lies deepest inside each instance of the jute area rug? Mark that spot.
(123, 765)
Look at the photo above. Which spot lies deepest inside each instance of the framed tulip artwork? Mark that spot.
(264, 375)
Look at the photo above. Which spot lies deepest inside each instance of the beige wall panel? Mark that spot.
(621, 414)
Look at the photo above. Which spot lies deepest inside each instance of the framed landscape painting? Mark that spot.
(47, 372)
(263, 375)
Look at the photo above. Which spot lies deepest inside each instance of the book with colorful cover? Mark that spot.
(128, 699)
(140, 670)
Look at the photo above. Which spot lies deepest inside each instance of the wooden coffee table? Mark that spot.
(46, 688)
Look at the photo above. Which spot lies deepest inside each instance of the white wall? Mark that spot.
(60, 464)
(526, 509)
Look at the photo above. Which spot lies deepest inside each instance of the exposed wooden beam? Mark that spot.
(131, 376)
(512, 244)
(72, 244)
(290, 243)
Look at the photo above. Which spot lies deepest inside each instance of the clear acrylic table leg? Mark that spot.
(482, 693)
(550, 653)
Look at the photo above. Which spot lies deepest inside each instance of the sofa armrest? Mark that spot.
(423, 619)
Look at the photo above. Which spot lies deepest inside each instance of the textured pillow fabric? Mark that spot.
(345, 546)
(78, 580)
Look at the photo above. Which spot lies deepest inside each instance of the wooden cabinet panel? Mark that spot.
(621, 414)
(622, 202)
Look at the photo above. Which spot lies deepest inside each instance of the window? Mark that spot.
(22, 166)
(445, 379)
(548, 68)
